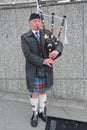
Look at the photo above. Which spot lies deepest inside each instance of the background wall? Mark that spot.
(70, 70)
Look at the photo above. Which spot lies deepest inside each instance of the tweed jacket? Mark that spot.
(30, 51)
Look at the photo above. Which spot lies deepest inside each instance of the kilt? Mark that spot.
(40, 84)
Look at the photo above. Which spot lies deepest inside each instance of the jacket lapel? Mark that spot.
(34, 40)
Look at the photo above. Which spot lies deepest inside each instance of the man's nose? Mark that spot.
(37, 22)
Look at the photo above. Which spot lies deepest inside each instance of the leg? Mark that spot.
(42, 105)
(34, 105)
(34, 102)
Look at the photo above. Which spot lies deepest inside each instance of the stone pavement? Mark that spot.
(15, 115)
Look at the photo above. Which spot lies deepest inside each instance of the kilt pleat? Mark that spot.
(40, 84)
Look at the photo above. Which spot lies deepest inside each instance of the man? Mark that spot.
(39, 67)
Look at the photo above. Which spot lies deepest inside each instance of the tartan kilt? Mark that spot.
(40, 84)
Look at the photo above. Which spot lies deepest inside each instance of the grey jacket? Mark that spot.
(30, 50)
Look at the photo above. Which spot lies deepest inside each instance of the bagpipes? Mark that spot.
(51, 40)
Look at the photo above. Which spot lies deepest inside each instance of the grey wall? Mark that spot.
(70, 70)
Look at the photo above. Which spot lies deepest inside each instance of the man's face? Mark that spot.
(35, 24)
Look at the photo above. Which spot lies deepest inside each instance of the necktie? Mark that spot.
(37, 36)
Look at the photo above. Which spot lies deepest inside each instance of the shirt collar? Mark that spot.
(35, 31)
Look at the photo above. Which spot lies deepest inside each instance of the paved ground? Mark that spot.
(16, 115)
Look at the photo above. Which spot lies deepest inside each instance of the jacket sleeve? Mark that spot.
(30, 56)
(59, 48)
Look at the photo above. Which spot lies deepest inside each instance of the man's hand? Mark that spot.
(53, 54)
(48, 62)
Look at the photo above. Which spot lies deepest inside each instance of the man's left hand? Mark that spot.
(53, 54)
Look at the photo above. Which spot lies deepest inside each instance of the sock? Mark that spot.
(42, 102)
(34, 104)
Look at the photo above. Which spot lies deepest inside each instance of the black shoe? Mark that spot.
(34, 120)
(43, 115)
